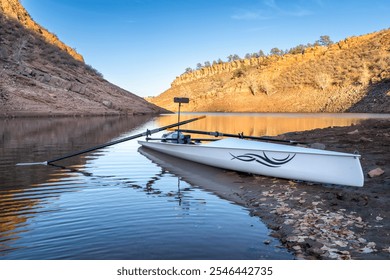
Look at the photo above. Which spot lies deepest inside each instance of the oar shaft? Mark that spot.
(146, 133)
(218, 134)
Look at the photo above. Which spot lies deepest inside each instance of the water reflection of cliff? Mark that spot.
(40, 139)
(263, 124)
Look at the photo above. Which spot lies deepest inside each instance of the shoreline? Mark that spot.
(73, 115)
(23, 114)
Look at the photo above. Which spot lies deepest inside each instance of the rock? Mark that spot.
(292, 239)
(316, 251)
(375, 172)
(318, 146)
(365, 139)
(386, 250)
(362, 240)
(297, 248)
(301, 239)
(333, 255)
(356, 131)
(341, 243)
(366, 250)
(107, 103)
(345, 255)
(76, 87)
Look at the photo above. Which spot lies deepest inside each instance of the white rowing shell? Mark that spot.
(270, 159)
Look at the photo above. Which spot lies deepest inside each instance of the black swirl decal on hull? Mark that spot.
(264, 159)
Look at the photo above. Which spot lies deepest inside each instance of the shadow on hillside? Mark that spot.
(377, 99)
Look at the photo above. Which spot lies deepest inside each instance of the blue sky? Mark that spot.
(142, 45)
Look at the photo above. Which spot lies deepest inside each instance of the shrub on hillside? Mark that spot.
(238, 73)
(94, 71)
(323, 80)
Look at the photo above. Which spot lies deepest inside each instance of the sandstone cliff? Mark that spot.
(351, 75)
(39, 75)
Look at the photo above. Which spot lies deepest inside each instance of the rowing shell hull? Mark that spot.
(270, 159)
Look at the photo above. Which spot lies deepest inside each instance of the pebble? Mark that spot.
(387, 250)
(364, 139)
(318, 146)
(297, 248)
(367, 250)
(375, 172)
(356, 131)
(341, 243)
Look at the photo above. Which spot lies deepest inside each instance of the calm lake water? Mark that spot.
(116, 203)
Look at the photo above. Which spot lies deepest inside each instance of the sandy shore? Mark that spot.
(315, 221)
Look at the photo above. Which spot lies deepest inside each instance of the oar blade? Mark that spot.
(31, 163)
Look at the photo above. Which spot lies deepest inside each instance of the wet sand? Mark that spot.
(315, 221)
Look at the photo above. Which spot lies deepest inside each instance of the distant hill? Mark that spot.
(352, 75)
(40, 75)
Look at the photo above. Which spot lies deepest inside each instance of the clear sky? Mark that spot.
(142, 45)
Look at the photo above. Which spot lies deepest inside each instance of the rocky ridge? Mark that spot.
(350, 75)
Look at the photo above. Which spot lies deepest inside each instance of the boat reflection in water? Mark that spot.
(209, 178)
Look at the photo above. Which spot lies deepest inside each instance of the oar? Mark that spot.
(146, 133)
(240, 135)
